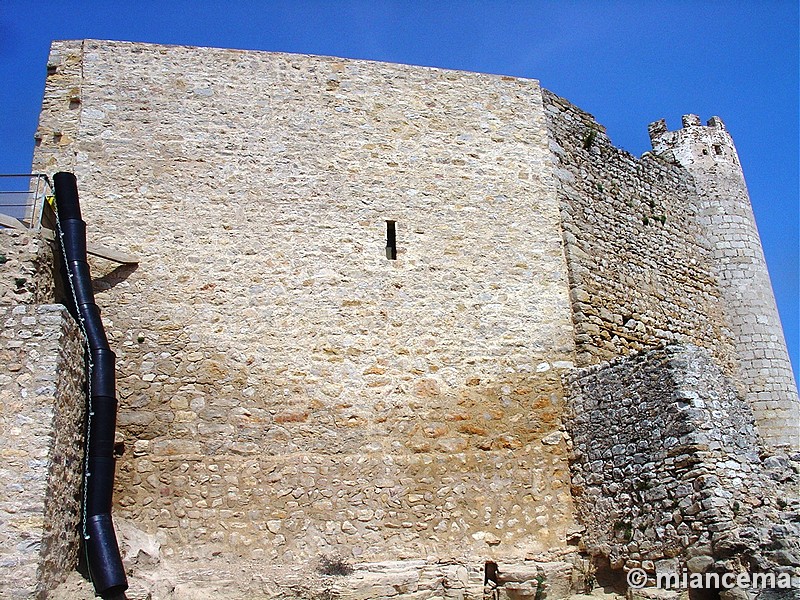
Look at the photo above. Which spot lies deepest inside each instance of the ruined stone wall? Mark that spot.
(41, 445)
(41, 421)
(639, 266)
(667, 464)
(285, 388)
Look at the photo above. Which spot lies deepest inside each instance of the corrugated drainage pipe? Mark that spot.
(100, 542)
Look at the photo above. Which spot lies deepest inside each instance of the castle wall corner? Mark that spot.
(41, 444)
(285, 389)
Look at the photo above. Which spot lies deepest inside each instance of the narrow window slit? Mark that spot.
(391, 241)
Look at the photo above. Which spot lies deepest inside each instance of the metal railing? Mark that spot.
(22, 196)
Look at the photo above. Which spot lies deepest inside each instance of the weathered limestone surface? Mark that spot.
(26, 268)
(59, 120)
(667, 464)
(285, 389)
(725, 214)
(41, 445)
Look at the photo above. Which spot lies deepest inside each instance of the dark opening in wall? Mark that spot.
(490, 573)
(391, 241)
(606, 577)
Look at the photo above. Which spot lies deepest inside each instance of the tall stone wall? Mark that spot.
(286, 389)
(41, 445)
(639, 264)
(726, 216)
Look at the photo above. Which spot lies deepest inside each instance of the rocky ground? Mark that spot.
(155, 577)
(301, 588)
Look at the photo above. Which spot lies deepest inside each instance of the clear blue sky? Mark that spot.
(627, 62)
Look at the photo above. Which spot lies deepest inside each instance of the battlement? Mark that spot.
(707, 145)
(656, 129)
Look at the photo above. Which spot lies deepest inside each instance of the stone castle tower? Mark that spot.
(290, 389)
(708, 153)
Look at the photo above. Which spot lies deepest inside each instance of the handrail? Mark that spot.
(38, 190)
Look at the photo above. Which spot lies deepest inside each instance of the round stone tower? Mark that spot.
(726, 215)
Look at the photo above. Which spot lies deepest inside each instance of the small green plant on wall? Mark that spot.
(541, 592)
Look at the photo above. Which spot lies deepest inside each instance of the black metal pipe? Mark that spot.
(109, 577)
(103, 376)
(74, 231)
(93, 325)
(100, 542)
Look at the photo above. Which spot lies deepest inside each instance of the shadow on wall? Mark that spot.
(114, 277)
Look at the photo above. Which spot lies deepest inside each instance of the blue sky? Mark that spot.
(627, 62)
